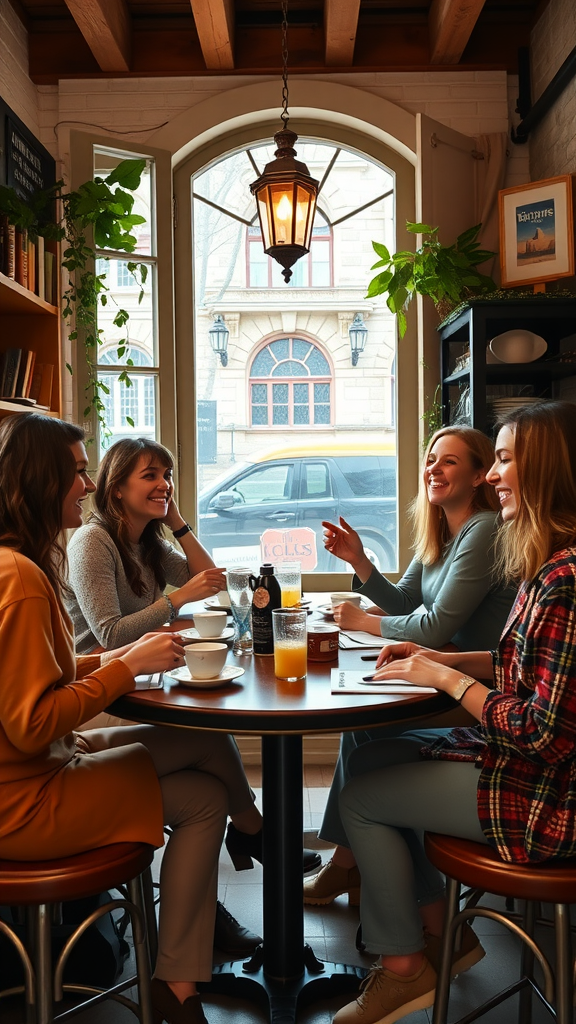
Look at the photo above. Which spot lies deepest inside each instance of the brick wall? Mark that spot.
(553, 142)
(16, 88)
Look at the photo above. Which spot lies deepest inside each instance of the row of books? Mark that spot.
(29, 263)
(23, 379)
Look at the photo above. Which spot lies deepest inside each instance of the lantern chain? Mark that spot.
(284, 115)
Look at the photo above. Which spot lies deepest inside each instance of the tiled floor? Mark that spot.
(331, 931)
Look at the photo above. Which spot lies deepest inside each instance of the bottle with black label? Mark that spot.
(267, 597)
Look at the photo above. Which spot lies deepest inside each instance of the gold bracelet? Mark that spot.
(463, 684)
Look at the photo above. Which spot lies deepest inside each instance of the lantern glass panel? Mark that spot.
(304, 216)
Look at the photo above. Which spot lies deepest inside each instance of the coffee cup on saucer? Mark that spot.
(210, 624)
(205, 660)
(344, 596)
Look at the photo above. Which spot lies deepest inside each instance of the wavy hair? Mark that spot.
(37, 470)
(118, 463)
(431, 532)
(545, 457)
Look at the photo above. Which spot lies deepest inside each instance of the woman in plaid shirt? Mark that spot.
(510, 783)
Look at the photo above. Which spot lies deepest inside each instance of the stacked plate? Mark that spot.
(502, 406)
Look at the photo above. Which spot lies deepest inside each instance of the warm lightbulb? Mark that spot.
(300, 213)
(284, 208)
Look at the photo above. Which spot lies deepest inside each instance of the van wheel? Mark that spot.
(380, 556)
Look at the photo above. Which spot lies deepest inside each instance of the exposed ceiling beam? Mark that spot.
(105, 25)
(340, 26)
(450, 23)
(214, 21)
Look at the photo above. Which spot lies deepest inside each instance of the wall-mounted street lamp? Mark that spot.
(358, 333)
(219, 335)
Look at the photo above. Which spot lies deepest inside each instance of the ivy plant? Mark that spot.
(446, 273)
(96, 216)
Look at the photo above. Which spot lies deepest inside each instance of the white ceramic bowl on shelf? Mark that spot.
(518, 346)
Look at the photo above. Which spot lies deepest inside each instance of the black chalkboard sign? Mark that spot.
(25, 165)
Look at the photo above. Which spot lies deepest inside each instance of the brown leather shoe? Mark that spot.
(387, 997)
(470, 951)
(330, 882)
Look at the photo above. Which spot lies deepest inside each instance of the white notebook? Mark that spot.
(348, 681)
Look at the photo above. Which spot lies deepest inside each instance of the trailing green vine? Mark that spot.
(105, 211)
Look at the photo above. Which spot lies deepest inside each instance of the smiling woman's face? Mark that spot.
(146, 492)
(504, 475)
(81, 488)
(450, 475)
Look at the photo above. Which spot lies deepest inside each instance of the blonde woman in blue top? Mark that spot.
(448, 598)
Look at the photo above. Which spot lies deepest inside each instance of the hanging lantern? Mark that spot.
(286, 193)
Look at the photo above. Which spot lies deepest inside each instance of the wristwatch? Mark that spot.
(463, 684)
(183, 529)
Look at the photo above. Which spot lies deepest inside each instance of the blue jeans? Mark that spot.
(384, 813)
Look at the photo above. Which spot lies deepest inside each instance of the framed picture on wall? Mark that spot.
(536, 231)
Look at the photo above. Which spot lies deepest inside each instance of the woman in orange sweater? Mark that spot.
(64, 792)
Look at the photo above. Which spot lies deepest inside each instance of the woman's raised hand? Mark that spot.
(156, 653)
(343, 541)
(203, 584)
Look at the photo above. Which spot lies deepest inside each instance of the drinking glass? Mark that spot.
(290, 579)
(240, 593)
(290, 643)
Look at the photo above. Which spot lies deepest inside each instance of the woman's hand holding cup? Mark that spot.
(158, 653)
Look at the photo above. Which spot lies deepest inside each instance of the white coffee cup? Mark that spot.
(224, 598)
(205, 660)
(210, 624)
(350, 598)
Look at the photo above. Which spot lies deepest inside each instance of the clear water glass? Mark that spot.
(238, 581)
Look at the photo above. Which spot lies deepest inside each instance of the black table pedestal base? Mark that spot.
(282, 1000)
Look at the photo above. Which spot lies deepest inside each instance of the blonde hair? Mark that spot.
(431, 532)
(545, 457)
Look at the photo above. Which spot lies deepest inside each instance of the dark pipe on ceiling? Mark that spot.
(546, 101)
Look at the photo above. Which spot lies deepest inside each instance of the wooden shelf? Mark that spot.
(8, 407)
(508, 373)
(16, 300)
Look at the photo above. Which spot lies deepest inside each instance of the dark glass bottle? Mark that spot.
(267, 597)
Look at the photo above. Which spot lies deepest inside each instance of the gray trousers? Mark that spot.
(202, 781)
(384, 813)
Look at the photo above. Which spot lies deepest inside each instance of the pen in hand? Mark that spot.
(368, 657)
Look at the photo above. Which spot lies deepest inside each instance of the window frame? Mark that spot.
(269, 381)
(307, 261)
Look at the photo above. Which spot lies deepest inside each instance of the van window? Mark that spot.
(270, 483)
(316, 480)
(369, 476)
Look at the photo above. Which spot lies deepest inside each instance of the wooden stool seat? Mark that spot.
(72, 878)
(480, 867)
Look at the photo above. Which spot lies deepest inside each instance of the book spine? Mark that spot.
(40, 266)
(13, 357)
(22, 257)
(45, 395)
(36, 382)
(32, 266)
(10, 270)
(29, 372)
(49, 276)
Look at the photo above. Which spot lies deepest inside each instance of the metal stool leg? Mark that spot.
(527, 966)
(43, 964)
(563, 963)
(136, 894)
(151, 925)
(443, 983)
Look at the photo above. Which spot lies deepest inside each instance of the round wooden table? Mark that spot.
(283, 971)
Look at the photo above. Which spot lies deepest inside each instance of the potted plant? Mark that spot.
(447, 273)
(97, 215)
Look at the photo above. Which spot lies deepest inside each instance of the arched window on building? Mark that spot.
(290, 385)
(311, 271)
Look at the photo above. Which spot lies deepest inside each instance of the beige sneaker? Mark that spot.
(330, 882)
(470, 952)
(387, 997)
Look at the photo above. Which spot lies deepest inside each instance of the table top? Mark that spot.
(259, 703)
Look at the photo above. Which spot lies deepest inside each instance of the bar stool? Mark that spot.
(480, 868)
(40, 886)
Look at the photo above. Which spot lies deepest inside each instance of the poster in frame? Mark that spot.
(536, 231)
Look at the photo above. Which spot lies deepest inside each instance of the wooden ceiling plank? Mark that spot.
(340, 27)
(450, 24)
(214, 21)
(105, 25)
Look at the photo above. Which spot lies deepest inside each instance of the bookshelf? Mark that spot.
(28, 322)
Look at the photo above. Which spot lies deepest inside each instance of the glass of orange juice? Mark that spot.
(290, 579)
(290, 643)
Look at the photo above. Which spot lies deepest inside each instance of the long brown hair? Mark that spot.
(118, 463)
(431, 532)
(545, 457)
(37, 470)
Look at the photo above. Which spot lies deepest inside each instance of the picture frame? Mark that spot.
(536, 231)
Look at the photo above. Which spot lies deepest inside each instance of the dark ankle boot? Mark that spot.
(231, 937)
(245, 848)
(166, 1006)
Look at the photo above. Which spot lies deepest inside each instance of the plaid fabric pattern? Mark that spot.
(527, 783)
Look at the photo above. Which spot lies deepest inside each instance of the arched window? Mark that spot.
(122, 404)
(290, 385)
(311, 271)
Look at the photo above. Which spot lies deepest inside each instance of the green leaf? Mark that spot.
(130, 421)
(420, 229)
(69, 368)
(381, 251)
(87, 410)
(401, 320)
(143, 272)
(128, 173)
(379, 284)
(469, 235)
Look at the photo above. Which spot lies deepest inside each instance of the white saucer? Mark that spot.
(193, 634)
(326, 609)
(214, 603)
(228, 673)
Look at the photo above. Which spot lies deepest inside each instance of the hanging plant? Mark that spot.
(97, 215)
(447, 273)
